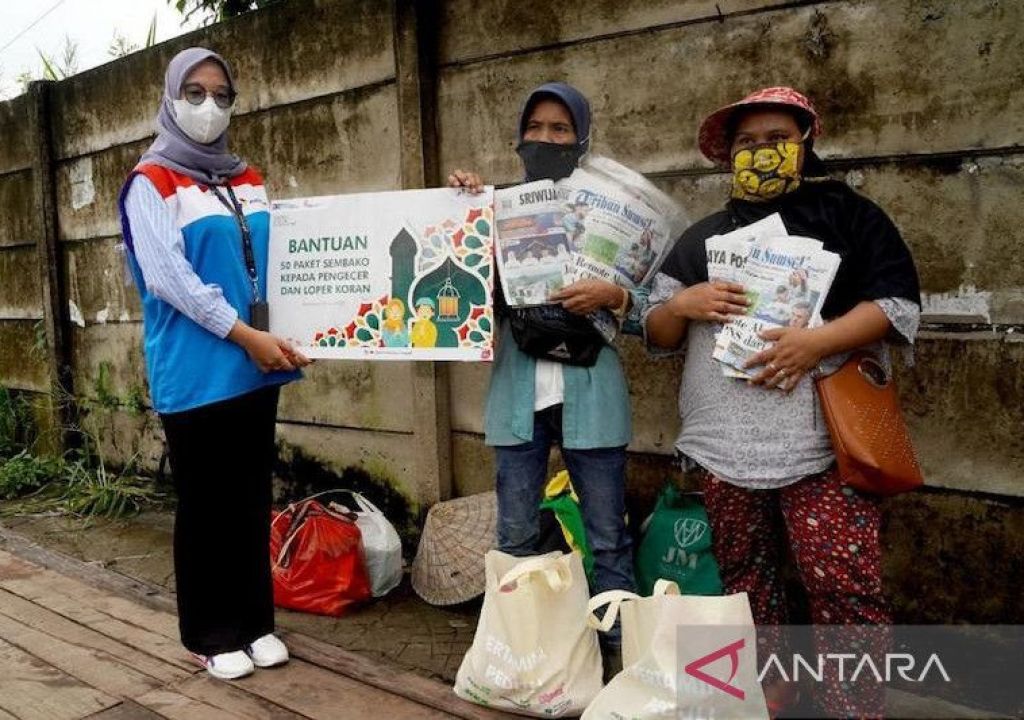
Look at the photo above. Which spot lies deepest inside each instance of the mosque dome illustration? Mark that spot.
(454, 290)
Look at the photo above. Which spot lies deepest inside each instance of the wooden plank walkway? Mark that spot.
(77, 641)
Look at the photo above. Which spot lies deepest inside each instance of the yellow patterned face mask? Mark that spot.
(764, 172)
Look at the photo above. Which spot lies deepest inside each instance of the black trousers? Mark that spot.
(222, 457)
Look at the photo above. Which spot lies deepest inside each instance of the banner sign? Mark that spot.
(401, 275)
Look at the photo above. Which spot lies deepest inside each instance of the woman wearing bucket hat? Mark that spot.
(533, 403)
(195, 223)
(761, 450)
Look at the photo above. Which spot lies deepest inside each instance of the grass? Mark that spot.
(81, 482)
(17, 424)
(82, 486)
(92, 489)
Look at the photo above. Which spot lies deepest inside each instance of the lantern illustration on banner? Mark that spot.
(448, 301)
(452, 291)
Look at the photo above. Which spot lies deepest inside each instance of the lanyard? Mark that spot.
(243, 226)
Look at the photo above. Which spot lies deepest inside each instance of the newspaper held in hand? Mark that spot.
(605, 221)
(533, 251)
(787, 279)
(622, 225)
(727, 254)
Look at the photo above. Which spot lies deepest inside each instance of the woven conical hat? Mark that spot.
(449, 564)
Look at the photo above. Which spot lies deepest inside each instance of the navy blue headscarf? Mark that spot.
(579, 111)
(573, 99)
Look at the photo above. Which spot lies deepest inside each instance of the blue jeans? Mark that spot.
(599, 478)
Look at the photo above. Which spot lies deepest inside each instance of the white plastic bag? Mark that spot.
(533, 653)
(381, 544)
(655, 681)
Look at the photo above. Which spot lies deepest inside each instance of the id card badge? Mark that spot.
(259, 316)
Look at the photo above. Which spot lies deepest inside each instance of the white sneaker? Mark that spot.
(226, 666)
(267, 651)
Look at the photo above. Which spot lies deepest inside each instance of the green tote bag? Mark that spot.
(675, 545)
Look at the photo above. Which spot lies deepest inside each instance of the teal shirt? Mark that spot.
(595, 411)
(596, 403)
(595, 406)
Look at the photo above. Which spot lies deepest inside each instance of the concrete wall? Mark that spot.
(21, 301)
(922, 111)
(923, 106)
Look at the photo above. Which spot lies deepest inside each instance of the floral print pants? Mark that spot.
(832, 533)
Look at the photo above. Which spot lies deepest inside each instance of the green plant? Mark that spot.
(82, 482)
(8, 424)
(24, 474)
(61, 67)
(105, 396)
(135, 401)
(92, 489)
(92, 486)
(54, 67)
(120, 45)
(17, 424)
(39, 339)
(216, 10)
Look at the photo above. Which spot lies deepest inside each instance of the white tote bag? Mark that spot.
(534, 652)
(381, 545)
(667, 677)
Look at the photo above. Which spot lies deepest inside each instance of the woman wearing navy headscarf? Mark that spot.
(195, 222)
(533, 403)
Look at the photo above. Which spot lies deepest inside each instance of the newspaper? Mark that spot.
(786, 279)
(605, 221)
(727, 253)
(620, 224)
(534, 250)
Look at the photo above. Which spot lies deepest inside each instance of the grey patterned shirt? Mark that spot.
(752, 436)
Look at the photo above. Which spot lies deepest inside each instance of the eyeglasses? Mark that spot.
(196, 95)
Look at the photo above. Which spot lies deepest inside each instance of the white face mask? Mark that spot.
(203, 123)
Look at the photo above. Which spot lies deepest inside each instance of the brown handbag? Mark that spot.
(869, 436)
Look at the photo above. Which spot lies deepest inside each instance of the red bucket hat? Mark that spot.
(712, 137)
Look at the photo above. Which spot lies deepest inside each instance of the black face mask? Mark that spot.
(548, 161)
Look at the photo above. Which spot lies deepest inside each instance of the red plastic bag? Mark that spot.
(317, 560)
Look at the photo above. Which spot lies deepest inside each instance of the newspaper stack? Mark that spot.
(604, 221)
(786, 278)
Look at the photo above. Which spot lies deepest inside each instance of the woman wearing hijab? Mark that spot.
(195, 224)
(761, 450)
(534, 403)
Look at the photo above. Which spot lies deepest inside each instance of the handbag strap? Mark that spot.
(554, 572)
(613, 599)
